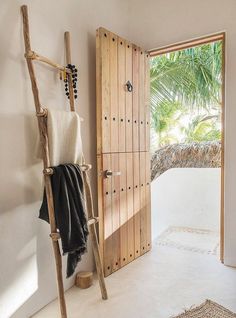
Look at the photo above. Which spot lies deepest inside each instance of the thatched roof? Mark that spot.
(193, 155)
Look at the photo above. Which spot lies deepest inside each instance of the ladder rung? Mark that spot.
(84, 167)
(48, 171)
(93, 220)
(55, 236)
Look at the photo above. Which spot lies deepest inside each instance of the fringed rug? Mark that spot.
(190, 239)
(209, 309)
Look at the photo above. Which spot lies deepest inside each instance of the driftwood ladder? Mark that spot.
(42, 124)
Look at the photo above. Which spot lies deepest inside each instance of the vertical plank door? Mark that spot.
(123, 155)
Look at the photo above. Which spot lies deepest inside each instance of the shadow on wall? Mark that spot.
(20, 167)
(22, 261)
(24, 267)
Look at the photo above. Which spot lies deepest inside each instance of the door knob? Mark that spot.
(109, 173)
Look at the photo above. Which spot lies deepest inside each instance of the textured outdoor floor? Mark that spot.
(160, 284)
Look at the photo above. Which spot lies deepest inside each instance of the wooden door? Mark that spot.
(123, 157)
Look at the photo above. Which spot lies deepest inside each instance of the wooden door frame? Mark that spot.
(196, 42)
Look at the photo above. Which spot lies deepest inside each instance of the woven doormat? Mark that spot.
(190, 239)
(208, 309)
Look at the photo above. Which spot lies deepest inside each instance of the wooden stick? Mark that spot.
(68, 61)
(42, 123)
(88, 192)
(35, 56)
(24, 11)
(93, 235)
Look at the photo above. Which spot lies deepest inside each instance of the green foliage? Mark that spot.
(202, 129)
(166, 115)
(182, 82)
(164, 118)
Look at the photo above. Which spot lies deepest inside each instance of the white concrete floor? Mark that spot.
(160, 284)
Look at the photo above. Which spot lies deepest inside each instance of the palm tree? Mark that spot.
(202, 128)
(165, 117)
(188, 79)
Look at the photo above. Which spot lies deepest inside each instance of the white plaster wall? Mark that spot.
(156, 23)
(186, 197)
(27, 270)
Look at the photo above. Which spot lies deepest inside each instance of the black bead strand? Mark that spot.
(74, 78)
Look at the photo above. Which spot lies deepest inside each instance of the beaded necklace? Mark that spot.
(74, 76)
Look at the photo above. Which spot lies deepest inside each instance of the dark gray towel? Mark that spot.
(70, 215)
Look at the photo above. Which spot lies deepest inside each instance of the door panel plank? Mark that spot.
(142, 120)
(99, 101)
(130, 205)
(143, 217)
(121, 94)
(103, 111)
(100, 205)
(136, 51)
(147, 101)
(148, 201)
(114, 117)
(123, 211)
(107, 197)
(129, 97)
(136, 204)
(115, 181)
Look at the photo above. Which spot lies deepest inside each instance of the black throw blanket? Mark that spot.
(69, 205)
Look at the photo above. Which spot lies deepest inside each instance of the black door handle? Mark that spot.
(129, 86)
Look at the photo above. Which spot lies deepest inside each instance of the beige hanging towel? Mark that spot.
(64, 137)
